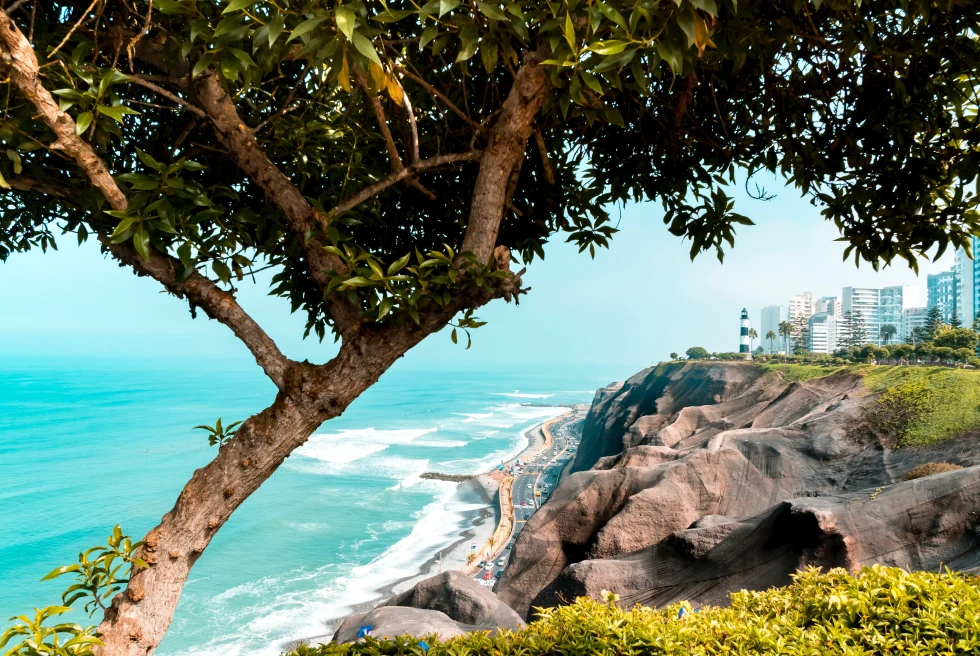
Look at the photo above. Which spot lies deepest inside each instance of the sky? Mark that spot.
(632, 305)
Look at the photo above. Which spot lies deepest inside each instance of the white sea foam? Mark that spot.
(273, 617)
(345, 446)
(516, 394)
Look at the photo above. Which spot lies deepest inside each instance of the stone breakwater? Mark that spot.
(452, 478)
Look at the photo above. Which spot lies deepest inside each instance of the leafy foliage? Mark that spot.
(100, 572)
(882, 610)
(665, 101)
(37, 638)
(218, 434)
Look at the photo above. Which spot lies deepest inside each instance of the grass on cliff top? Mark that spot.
(881, 611)
(917, 406)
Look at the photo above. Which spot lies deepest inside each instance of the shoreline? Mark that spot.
(479, 524)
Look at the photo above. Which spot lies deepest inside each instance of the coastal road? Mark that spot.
(541, 473)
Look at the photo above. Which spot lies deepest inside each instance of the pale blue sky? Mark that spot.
(632, 305)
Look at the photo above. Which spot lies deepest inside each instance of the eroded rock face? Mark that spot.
(921, 524)
(462, 599)
(715, 477)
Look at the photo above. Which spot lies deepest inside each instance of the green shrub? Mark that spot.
(881, 611)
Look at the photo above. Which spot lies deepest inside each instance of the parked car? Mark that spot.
(499, 573)
(488, 566)
(500, 563)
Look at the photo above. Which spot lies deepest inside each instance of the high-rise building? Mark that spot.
(913, 318)
(743, 340)
(769, 319)
(801, 305)
(828, 304)
(823, 333)
(864, 304)
(893, 301)
(968, 283)
(942, 291)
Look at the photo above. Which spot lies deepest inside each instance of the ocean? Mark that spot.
(86, 444)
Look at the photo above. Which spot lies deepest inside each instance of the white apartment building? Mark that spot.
(801, 305)
(864, 304)
(913, 318)
(823, 333)
(828, 304)
(893, 301)
(769, 319)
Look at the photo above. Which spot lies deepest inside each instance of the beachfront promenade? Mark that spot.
(518, 494)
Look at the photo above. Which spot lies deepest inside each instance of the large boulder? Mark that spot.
(462, 599)
(391, 621)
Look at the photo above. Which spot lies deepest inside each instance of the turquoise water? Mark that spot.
(86, 444)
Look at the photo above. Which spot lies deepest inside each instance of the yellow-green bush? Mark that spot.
(929, 469)
(881, 611)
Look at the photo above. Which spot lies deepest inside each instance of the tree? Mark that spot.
(954, 320)
(976, 322)
(389, 161)
(801, 335)
(753, 335)
(934, 319)
(697, 353)
(786, 330)
(858, 330)
(886, 332)
(771, 336)
(955, 338)
(673, 355)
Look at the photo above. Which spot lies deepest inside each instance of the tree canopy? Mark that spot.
(389, 160)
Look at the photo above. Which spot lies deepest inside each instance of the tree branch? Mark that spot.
(300, 217)
(216, 303)
(413, 151)
(18, 57)
(136, 79)
(440, 95)
(506, 143)
(549, 172)
(379, 115)
(404, 174)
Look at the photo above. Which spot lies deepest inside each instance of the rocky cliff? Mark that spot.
(697, 479)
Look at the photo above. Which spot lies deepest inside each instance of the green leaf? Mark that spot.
(224, 274)
(385, 307)
(275, 28)
(123, 226)
(469, 42)
(611, 47)
(612, 14)
(14, 157)
(570, 33)
(365, 47)
(58, 571)
(446, 6)
(428, 34)
(141, 240)
(453, 336)
(686, 21)
(242, 56)
(83, 121)
(201, 64)
(345, 18)
(304, 27)
(491, 11)
(116, 113)
(236, 5)
(706, 5)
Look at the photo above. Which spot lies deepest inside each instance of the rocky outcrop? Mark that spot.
(707, 478)
(624, 414)
(448, 604)
(461, 598)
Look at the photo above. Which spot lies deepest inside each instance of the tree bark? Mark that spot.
(502, 158)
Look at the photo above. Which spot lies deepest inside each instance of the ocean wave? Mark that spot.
(346, 446)
(519, 395)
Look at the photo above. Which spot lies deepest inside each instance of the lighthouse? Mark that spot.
(743, 340)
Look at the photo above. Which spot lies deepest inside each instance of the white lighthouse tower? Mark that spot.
(743, 340)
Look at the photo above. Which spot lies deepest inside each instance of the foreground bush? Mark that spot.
(881, 611)
(929, 469)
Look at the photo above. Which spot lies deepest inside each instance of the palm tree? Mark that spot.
(752, 337)
(786, 330)
(771, 336)
(470, 557)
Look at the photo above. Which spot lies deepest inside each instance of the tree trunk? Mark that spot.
(139, 616)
